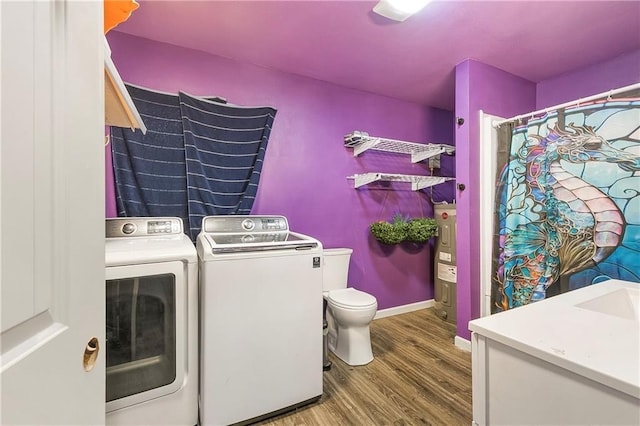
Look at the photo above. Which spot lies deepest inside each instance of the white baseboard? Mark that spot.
(462, 343)
(397, 310)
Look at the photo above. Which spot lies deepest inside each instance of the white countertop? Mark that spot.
(604, 347)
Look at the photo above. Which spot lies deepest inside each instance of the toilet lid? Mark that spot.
(351, 298)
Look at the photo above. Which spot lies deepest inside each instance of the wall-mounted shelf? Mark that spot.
(417, 182)
(361, 142)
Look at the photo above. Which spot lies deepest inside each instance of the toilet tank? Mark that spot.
(336, 268)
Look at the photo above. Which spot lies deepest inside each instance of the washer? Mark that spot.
(261, 318)
(152, 323)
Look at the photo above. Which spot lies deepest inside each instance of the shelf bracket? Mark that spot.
(364, 146)
(364, 179)
(428, 181)
(434, 150)
(431, 151)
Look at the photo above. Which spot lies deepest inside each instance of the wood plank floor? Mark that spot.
(417, 377)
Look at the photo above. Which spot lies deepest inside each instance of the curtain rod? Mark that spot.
(497, 123)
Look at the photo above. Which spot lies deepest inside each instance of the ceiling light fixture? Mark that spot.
(399, 10)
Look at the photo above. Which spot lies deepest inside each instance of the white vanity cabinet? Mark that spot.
(569, 360)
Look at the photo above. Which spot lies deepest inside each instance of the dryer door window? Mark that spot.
(144, 323)
(141, 334)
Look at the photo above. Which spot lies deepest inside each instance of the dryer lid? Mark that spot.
(350, 297)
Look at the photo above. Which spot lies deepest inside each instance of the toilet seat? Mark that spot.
(352, 299)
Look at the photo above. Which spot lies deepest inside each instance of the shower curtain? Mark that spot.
(567, 211)
(199, 157)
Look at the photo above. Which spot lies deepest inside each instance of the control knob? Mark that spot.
(128, 228)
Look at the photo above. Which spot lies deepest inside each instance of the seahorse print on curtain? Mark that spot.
(568, 206)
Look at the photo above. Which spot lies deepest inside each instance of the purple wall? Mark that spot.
(618, 72)
(306, 164)
(478, 87)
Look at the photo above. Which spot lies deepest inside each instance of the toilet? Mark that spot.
(349, 312)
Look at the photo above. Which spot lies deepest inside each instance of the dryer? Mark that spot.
(152, 323)
(261, 318)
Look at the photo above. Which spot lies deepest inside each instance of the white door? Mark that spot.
(51, 212)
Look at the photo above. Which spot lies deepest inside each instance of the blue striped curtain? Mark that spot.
(199, 157)
(149, 169)
(225, 147)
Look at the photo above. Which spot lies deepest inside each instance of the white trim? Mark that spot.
(488, 179)
(397, 310)
(462, 343)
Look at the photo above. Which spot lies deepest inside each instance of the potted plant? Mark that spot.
(421, 229)
(390, 233)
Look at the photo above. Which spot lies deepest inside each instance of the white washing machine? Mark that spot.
(261, 318)
(152, 323)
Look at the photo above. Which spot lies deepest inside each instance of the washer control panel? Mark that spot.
(143, 226)
(248, 224)
(236, 224)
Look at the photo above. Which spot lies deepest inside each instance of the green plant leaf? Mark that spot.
(421, 229)
(389, 233)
